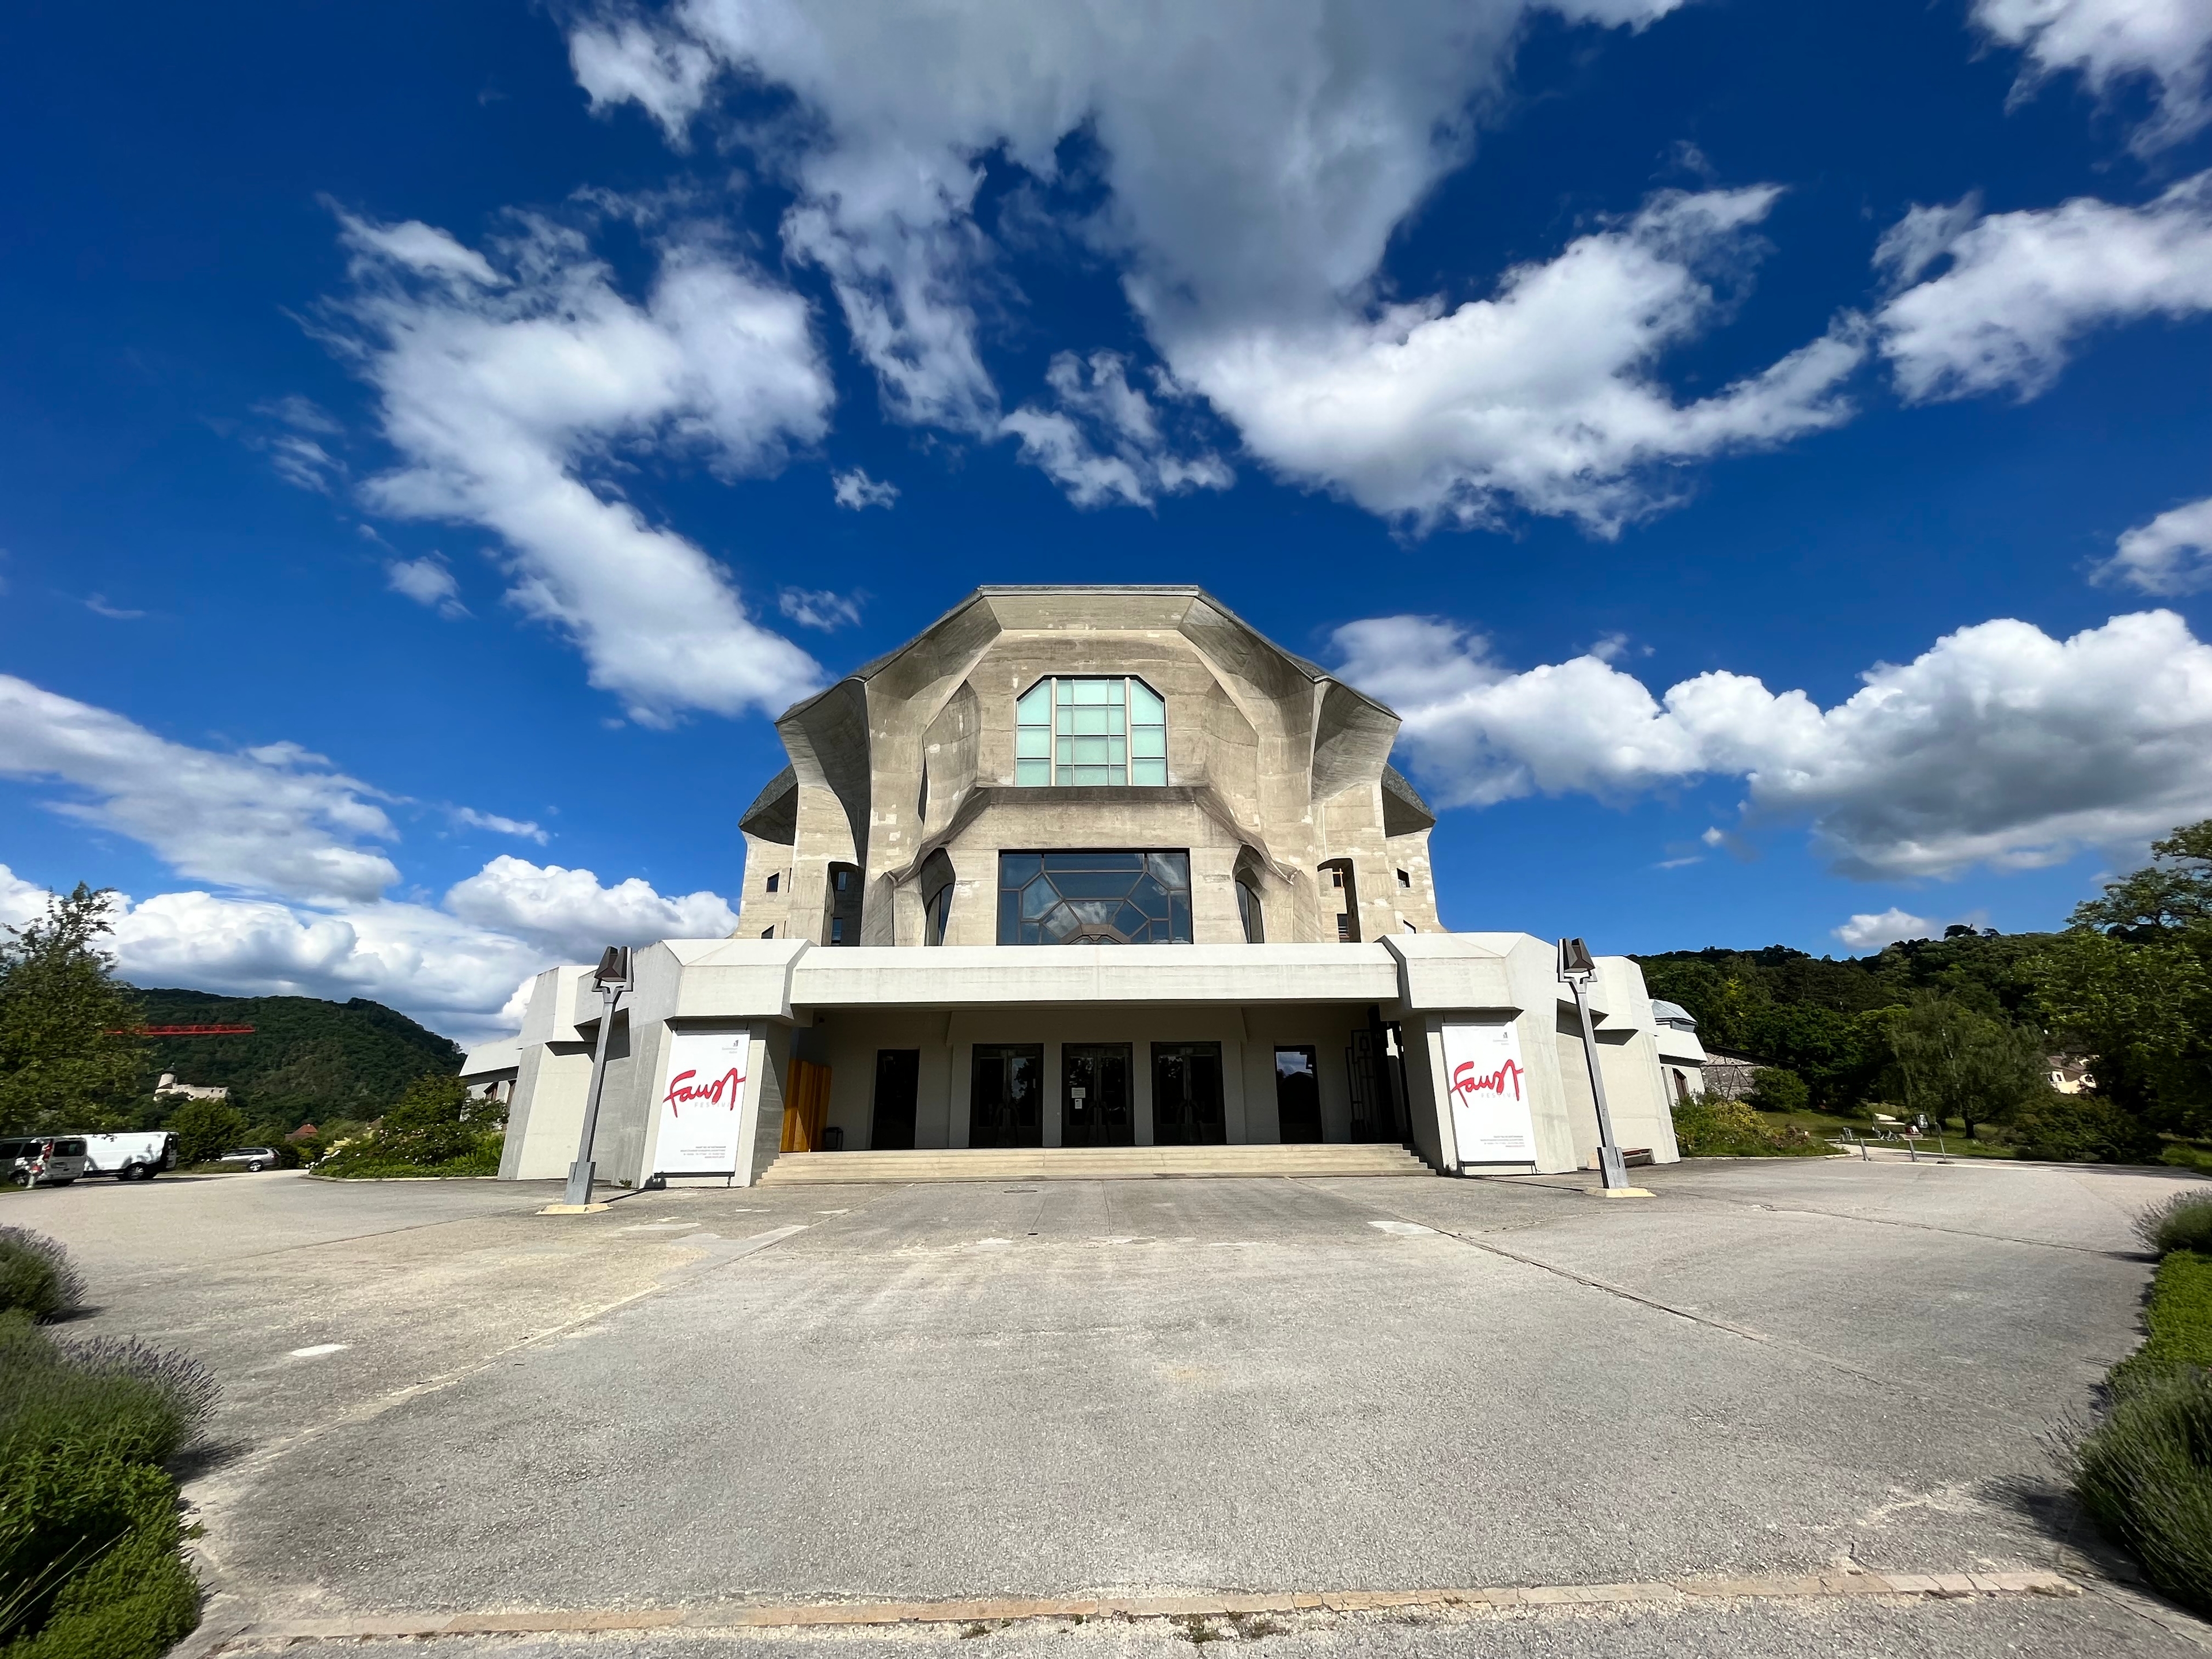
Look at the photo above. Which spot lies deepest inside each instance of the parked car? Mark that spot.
(254, 1159)
(139, 1156)
(41, 1160)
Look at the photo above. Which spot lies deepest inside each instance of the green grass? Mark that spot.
(2177, 1320)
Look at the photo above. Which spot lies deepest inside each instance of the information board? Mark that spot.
(1489, 1092)
(703, 1101)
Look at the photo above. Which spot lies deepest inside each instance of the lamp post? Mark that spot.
(611, 978)
(1578, 968)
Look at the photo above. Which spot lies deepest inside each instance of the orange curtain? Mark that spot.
(805, 1106)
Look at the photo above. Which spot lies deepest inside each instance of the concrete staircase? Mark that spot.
(1089, 1163)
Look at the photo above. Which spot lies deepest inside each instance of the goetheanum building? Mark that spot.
(1086, 867)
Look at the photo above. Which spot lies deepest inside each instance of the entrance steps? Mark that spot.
(1089, 1163)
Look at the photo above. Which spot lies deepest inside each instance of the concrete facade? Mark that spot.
(883, 909)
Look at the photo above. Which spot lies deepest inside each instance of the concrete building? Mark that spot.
(1681, 1056)
(943, 890)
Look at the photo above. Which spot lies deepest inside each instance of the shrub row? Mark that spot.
(91, 1561)
(1713, 1126)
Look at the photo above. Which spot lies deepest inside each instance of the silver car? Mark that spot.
(252, 1159)
(41, 1160)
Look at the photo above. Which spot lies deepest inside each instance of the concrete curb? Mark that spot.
(742, 1615)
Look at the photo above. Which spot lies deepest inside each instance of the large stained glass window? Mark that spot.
(1094, 898)
(1093, 730)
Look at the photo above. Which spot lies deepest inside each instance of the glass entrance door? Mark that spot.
(1094, 1096)
(1006, 1107)
(1186, 1095)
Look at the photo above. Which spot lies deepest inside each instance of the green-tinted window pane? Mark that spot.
(1096, 722)
(1031, 709)
(1098, 691)
(1117, 750)
(1149, 742)
(1031, 773)
(1151, 772)
(1146, 708)
(1091, 751)
(1032, 741)
(1065, 691)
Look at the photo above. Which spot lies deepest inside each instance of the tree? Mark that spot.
(1954, 1062)
(1775, 1089)
(206, 1129)
(2172, 894)
(67, 1058)
(435, 1122)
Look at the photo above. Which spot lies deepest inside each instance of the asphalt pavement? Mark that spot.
(438, 1400)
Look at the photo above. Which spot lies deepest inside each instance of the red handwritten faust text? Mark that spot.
(1468, 1082)
(725, 1090)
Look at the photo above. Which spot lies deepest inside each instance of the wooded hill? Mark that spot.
(307, 1058)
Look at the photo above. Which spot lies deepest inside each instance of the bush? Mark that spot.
(90, 1535)
(205, 1130)
(436, 1128)
(1713, 1126)
(2183, 1222)
(1773, 1088)
(2145, 1476)
(36, 1276)
(2080, 1129)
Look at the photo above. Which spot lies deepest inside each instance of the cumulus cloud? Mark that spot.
(2020, 289)
(856, 490)
(1255, 159)
(568, 910)
(427, 580)
(2171, 554)
(1998, 745)
(1101, 439)
(513, 389)
(811, 609)
(276, 817)
(2167, 44)
(1871, 933)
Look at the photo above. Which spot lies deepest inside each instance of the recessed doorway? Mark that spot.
(1094, 1096)
(1006, 1106)
(1186, 1095)
(1298, 1095)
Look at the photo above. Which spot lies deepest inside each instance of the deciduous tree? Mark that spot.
(67, 1060)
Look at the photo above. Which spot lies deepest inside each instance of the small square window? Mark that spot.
(1344, 928)
(767, 933)
(775, 881)
(1405, 880)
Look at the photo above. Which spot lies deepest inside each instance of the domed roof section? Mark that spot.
(1674, 1014)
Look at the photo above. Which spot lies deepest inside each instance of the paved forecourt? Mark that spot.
(443, 1404)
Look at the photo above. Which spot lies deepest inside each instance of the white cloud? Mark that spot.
(2022, 289)
(20, 900)
(510, 390)
(98, 604)
(2167, 42)
(1544, 397)
(427, 580)
(1101, 441)
(1998, 745)
(1871, 933)
(2172, 554)
(855, 489)
(1256, 157)
(498, 826)
(568, 910)
(274, 818)
(827, 611)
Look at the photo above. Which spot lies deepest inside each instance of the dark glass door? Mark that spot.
(1094, 1096)
(1298, 1095)
(1186, 1095)
(898, 1079)
(1006, 1105)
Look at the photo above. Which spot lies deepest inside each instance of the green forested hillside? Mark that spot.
(307, 1059)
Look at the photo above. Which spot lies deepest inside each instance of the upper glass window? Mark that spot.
(1094, 730)
(1094, 898)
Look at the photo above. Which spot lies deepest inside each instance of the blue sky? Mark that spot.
(1765, 451)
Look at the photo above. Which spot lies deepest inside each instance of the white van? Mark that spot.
(139, 1156)
(42, 1160)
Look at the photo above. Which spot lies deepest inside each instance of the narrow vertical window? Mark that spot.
(1248, 907)
(1033, 736)
(1148, 736)
(775, 881)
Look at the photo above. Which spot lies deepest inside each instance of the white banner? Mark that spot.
(703, 1101)
(1489, 1092)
